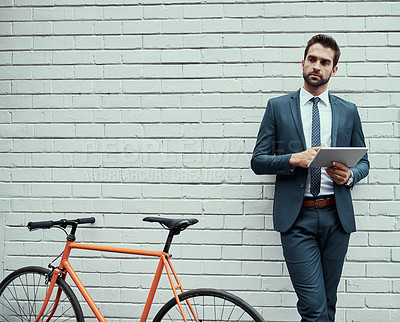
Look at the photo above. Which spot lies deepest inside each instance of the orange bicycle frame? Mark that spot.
(66, 268)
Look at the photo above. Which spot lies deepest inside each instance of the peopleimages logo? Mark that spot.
(164, 154)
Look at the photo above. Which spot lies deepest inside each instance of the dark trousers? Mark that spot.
(314, 249)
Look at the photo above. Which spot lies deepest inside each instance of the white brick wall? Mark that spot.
(121, 109)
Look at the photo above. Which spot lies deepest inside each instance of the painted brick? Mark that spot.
(389, 208)
(383, 145)
(350, 301)
(368, 286)
(221, 25)
(80, 190)
(6, 146)
(204, 11)
(375, 54)
(31, 116)
(163, 12)
(141, 116)
(381, 23)
(107, 86)
(16, 14)
(180, 116)
(181, 86)
(109, 56)
(88, 13)
(262, 25)
(220, 55)
(15, 72)
(383, 176)
(17, 43)
(385, 115)
(139, 56)
(121, 13)
(236, 40)
(376, 223)
(108, 27)
(31, 86)
(71, 57)
(162, 130)
(53, 42)
(122, 42)
(16, 130)
(384, 85)
(236, 10)
(5, 58)
(141, 27)
(120, 101)
(162, 71)
(331, 9)
(141, 86)
(8, 190)
(354, 10)
(368, 254)
(88, 42)
(7, 3)
(180, 56)
(384, 239)
(122, 71)
(223, 145)
(222, 207)
(385, 301)
(201, 41)
(53, 13)
(202, 130)
(358, 39)
(396, 258)
(51, 160)
(32, 28)
(372, 69)
(53, 72)
(382, 270)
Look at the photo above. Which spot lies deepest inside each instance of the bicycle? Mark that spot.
(35, 293)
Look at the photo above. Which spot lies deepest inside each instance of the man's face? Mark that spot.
(318, 65)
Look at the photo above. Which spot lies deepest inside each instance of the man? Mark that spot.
(313, 209)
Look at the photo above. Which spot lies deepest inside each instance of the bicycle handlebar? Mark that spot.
(63, 223)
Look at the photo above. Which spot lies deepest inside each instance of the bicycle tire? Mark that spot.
(22, 294)
(209, 305)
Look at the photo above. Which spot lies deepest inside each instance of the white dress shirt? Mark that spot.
(325, 114)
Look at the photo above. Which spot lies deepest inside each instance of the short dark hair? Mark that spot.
(326, 41)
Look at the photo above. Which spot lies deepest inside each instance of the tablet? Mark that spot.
(349, 156)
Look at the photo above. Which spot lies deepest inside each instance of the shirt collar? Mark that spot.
(306, 96)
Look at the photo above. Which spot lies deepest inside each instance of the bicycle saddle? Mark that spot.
(174, 225)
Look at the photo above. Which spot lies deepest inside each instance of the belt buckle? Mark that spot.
(316, 200)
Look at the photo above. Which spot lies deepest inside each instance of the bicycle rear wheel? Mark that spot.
(22, 294)
(209, 305)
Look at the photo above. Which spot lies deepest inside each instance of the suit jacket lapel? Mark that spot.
(295, 108)
(335, 106)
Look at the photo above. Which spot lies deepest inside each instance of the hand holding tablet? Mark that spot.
(349, 156)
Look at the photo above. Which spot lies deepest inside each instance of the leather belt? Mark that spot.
(319, 203)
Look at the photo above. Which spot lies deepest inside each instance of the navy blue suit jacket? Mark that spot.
(281, 134)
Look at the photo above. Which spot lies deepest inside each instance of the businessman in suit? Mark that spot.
(313, 209)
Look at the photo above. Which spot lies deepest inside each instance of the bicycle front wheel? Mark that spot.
(22, 295)
(208, 305)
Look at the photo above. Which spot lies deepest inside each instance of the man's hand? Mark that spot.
(339, 173)
(302, 159)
